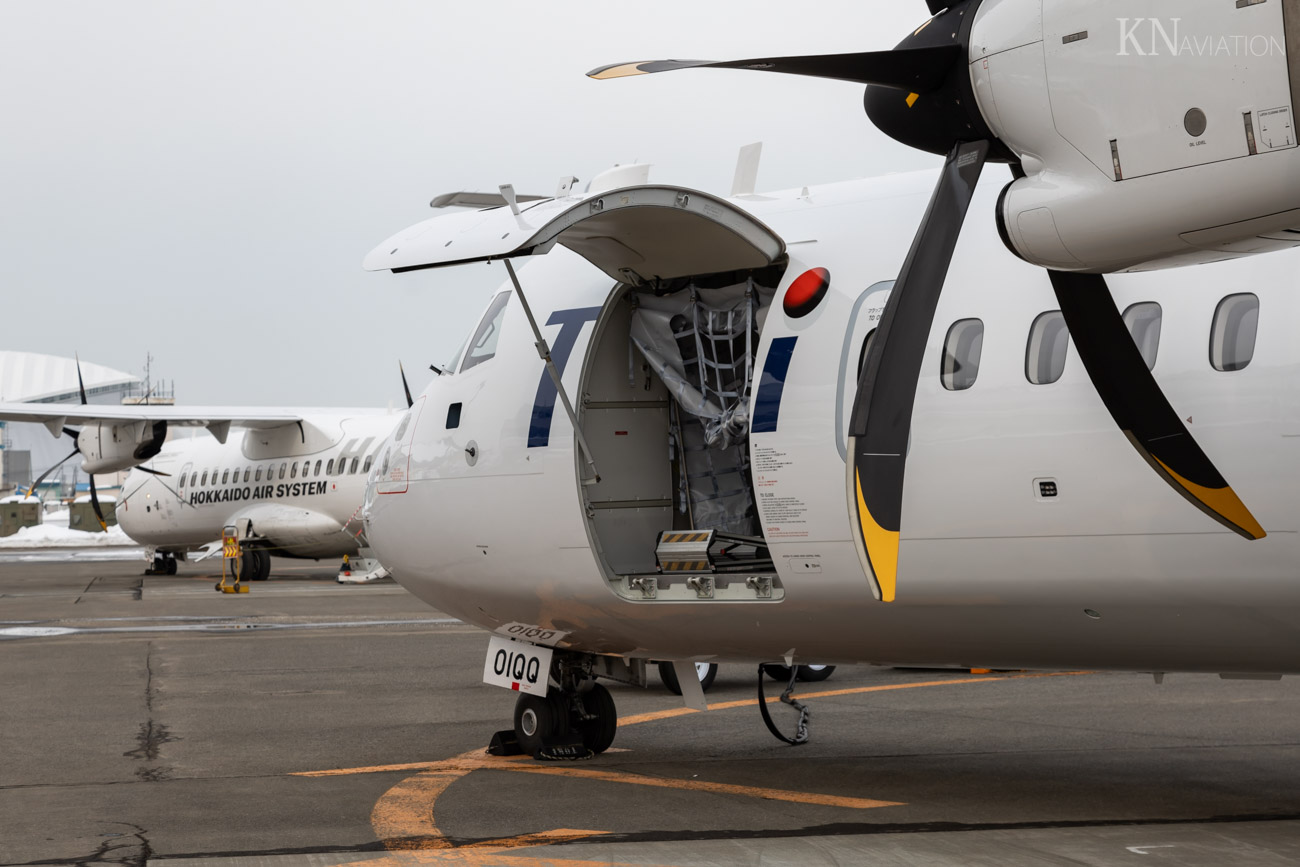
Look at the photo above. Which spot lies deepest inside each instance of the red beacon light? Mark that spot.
(806, 292)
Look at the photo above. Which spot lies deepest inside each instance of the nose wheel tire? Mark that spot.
(706, 671)
(537, 719)
(599, 728)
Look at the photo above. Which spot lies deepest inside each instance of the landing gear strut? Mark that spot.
(164, 563)
(575, 720)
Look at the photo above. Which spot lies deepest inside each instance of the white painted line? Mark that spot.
(230, 626)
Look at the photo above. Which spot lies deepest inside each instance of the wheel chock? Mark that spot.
(504, 743)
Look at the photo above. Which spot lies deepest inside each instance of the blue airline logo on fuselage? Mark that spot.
(570, 322)
(767, 403)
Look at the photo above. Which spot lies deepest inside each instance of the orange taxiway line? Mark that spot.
(476, 758)
(486, 858)
(703, 786)
(855, 690)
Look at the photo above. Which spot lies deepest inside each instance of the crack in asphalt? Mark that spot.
(152, 735)
(87, 590)
(117, 849)
(843, 829)
(848, 829)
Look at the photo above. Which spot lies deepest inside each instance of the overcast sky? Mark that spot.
(201, 180)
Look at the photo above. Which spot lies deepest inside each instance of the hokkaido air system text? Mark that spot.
(260, 492)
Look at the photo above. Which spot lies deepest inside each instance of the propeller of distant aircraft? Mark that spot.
(410, 401)
(920, 93)
(76, 450)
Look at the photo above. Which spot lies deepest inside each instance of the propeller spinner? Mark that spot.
(921, 94)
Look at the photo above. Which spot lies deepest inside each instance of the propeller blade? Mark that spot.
(918, 70)
(94, 502)
(406, 388)
(81, 386)
(151, 472)
(1139, 407)
(882, 411)
(36, 484)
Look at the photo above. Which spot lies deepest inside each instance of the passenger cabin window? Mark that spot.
(329, 468)
(181, 484)
(247, 471)
(483, 345)
(205, 477)
(257, 476)
(194, 478)
(352, 470)
(1049, 342)
(1232, 337)
(1143, 321)
(293, 470)
(315, 472)
(960, 364)
(225, 476)
(370, 459)
(283, 468)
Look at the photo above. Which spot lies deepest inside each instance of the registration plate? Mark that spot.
(517, 665)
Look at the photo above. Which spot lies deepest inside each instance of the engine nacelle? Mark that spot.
(1145, 142)
(107, 448)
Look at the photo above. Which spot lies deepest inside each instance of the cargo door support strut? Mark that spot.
(544, 351)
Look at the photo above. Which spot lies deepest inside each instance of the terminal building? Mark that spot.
(27, 450)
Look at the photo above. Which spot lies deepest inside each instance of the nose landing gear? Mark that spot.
(571, 726)
(163, 563)
(575, 720)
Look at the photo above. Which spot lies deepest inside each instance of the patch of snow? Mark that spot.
(55, 533)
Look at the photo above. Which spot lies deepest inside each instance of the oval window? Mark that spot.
(1049, 343)
(1143, 321)
(1232, 336)
(960, 364)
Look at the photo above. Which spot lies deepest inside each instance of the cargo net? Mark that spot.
(702, 343)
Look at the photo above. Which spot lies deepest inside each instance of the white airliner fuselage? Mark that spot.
(1033, 534)
(293, 491)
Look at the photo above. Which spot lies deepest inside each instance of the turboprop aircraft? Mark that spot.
(707, 460)
(290, 481)
(290, 491)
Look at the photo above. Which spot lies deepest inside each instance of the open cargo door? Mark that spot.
(634, 234)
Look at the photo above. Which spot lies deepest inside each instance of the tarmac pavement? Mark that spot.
(151, 721)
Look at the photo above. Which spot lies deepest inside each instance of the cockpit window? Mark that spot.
(455, 359)
(483, 345)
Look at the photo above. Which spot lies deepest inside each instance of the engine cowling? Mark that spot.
(107, 447)
(1137, 141)
(1144, 141)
